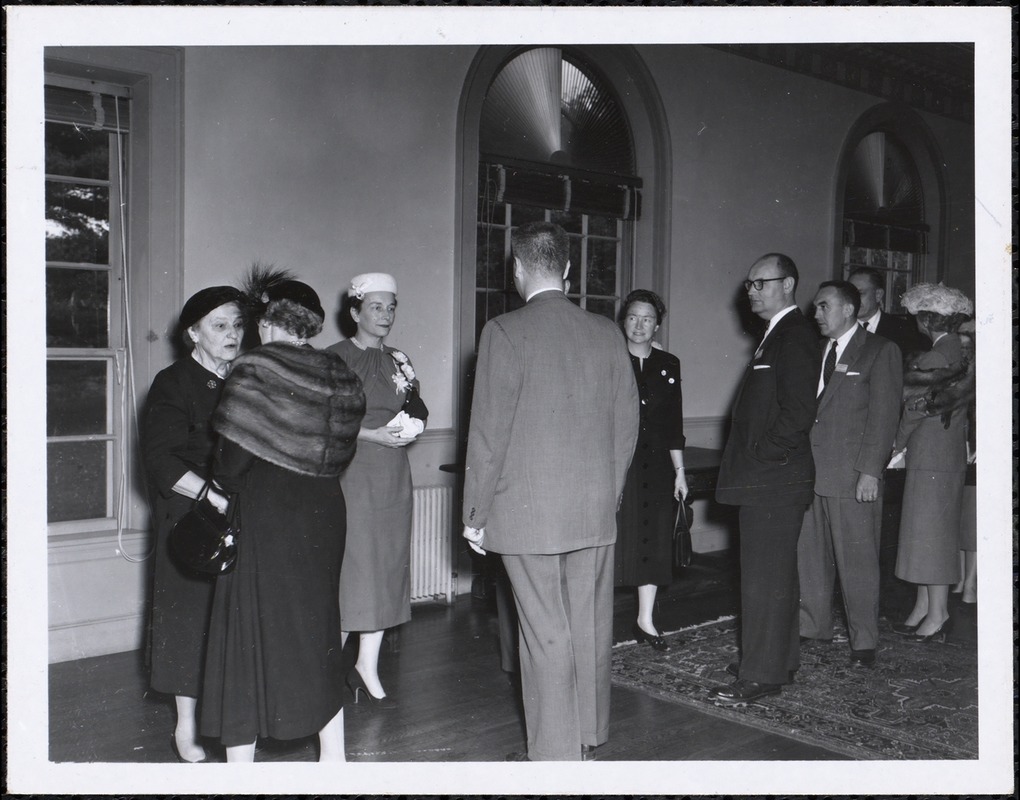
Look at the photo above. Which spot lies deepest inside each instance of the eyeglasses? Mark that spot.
(759, 283)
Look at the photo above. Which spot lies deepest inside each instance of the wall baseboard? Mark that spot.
(89, 638)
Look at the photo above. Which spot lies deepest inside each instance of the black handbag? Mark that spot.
(682, 550)
(415, 406)
(204, 540)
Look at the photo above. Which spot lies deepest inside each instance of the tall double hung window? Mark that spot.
(86, 132)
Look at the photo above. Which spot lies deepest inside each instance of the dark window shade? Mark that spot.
(560, 189)
(81, 108)
(878, 236)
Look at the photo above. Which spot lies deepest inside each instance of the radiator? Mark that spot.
(432, 571)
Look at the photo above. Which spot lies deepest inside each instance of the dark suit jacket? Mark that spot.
(554, 421)
(857, 414)
(903, 332)
(767, 458)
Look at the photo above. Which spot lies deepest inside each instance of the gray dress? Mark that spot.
(375, 581)
(936, 464)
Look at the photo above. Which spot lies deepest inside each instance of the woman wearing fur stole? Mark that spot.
(932, 436)
(288, 425)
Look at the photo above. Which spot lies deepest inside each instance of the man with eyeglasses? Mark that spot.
(767, 471)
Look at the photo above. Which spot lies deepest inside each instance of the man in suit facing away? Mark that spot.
(768, 472)
(554, 422)
(859, 396)
(900, 330)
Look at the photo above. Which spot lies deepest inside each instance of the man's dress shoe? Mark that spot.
(588, 752)
(863, 658)
(744, 691)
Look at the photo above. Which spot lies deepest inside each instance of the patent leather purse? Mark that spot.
(204, 540)
(682, 550)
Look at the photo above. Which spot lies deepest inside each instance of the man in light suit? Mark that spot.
(554, 421)
(900, 330)
(768, 472)
(859, 396)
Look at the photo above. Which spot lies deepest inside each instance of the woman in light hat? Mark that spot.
(375, 583)
(932, 437)
(288, 425)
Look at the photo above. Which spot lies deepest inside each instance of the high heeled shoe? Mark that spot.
(938, 636)
(182, 759)
(655, 640)
(905, 630)
(356, 684)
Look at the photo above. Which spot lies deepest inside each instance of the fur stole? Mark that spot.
(941, 391)
(296, 407)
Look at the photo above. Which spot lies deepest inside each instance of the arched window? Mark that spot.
(891, 209)
(554, 144)
(883, 214)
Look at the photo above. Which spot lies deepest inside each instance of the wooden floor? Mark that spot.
(455, 704)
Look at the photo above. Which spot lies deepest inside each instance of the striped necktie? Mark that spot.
(830, 364)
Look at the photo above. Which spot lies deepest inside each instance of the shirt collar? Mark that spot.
(540, 291)
(775, 320)
(841, 342)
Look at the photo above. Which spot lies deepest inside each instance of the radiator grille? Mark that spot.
(432, 571)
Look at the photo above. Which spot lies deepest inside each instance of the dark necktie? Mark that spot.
(830, 364)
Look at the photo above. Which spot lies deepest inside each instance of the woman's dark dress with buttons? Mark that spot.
(176, 438)
(645, 520)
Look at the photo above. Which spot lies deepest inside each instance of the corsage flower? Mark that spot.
(405, 372)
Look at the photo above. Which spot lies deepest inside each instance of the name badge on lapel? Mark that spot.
(841, 368)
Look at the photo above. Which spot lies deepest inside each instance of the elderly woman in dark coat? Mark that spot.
(933, 438)
(177, 445)
(288, 425)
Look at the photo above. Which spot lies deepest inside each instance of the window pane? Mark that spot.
(900, 260)
(568, 220)
(601, 266)
(575, 263)
(602, 226)
(77, 152)
(76, 398)
(900, 284)
(77, 308)
(607, 308)
(77, 223)
(520, 214)
(76, 480)
(492, 271)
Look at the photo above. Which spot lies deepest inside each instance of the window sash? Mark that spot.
(110, 113)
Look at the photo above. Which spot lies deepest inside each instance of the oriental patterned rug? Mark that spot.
(916, 702)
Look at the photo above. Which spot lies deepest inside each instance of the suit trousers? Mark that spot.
(769, 592)
(840, 535)
(565, 610)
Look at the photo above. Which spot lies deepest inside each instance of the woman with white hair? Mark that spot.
(375, 583)
(932, 437)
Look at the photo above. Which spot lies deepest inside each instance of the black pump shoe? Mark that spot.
(903, 629)
(938, 636)
(655, 640)
(356, 684)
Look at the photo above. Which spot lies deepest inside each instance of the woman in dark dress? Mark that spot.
(177, 446)
(656, 478)
(288, 425)
(932, 437)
